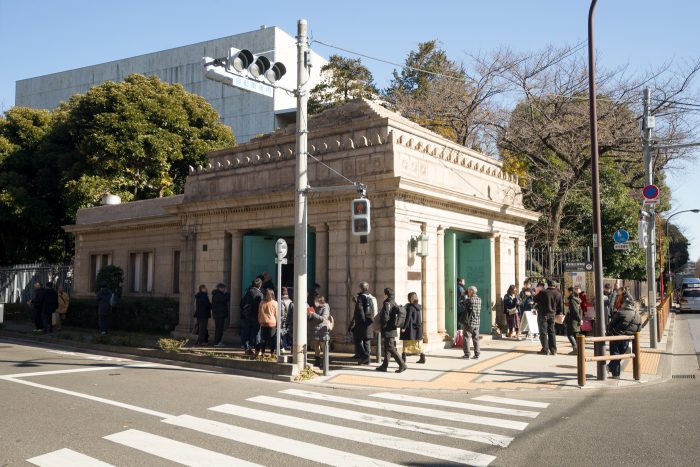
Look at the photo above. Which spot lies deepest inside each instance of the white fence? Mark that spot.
(17, 282)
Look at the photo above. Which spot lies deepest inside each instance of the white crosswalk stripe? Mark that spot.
(66, 458)
(393, 418)
(389, 422)
(360, 436)
(404, 409)
(175, 451)
(455, 405)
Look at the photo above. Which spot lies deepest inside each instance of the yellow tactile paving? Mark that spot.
(650, 362)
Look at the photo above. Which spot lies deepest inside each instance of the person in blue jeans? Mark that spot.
(625, 322)
(250, 304)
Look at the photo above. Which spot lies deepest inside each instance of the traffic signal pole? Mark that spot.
(647, 127)
(300, 201)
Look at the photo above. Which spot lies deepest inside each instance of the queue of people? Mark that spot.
(49, 305)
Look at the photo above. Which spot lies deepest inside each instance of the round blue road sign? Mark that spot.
(651, 192)
(621, 236)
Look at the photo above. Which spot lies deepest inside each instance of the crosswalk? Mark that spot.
(416, 429)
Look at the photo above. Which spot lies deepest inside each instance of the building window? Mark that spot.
(176, 272)
(141, 272)
(97, 262)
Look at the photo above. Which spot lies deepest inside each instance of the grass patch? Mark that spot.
(172, 345)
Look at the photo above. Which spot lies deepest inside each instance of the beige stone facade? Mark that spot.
(418, 182)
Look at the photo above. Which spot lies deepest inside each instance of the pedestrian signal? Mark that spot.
(360, 217)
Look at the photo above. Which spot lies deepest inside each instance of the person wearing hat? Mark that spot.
(220, 300)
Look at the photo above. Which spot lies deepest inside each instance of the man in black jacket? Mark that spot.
(202, 313)
(389, 332)
(48, 307)
(220, 302)
(361, 324)
(623, 323)
(549, 304)
(37, 303)
(104, 308)
(250, 303)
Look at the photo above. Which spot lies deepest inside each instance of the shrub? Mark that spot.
(111, 275)
(151, 315)
(171, 345)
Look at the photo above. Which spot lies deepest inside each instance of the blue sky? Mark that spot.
(39, 37)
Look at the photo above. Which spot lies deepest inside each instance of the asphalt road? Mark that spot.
(57, 406)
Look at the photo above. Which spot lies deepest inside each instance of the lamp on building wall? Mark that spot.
(419, 245)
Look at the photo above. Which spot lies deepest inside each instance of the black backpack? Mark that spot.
(398, 313)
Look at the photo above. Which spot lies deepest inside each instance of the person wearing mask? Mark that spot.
(220, 302)
(573, 319)
(37, 303)
(625, 322)
(104, 308)
(412, 332)
(471, 320)
(287, 320)
(250, 304)
(267, 319)
(202, 313)
(389, 332)
(549, 304)
(361, 324)
(48, 307)
(63, 301)
(319, 316)
(511, 310)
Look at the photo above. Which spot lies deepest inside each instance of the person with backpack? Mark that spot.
(220, 303)
(412, 330)
(623, 323)
(320, 322)
(392, 318)
(471, 320)
(361, 324)
(202, 313)
(267, 319)
(250, 304)
(105, 299)
(287, 320)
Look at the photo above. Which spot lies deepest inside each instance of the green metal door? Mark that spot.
(475, 265)
(450, 283)
(258, 257)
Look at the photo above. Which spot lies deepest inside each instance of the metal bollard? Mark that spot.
(379, 347)
(581, 358)
(637, 360)
(326, 353)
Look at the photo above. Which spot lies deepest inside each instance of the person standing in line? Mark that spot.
(361, 324)
(471, 320)
(412, 333)
(549, 304)
(625, 322)
(267, 282)
(511, 309)
(388, 316)
(63, 301)
(315, 292)
(461, 296)
(37, 304)
(220, 303)
(319, 316)
(607, 292)
(287, 320)
(573, 319)
(267, 319)
(104, 308)
(250, 304)
(202, 313)
(48, 307)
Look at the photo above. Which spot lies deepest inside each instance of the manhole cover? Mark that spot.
(683, 377)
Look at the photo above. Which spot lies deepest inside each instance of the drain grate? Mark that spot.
(683, 377)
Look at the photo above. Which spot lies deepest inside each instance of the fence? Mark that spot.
(17, 282)
(547, 262)
(662, 313)
(635, 356)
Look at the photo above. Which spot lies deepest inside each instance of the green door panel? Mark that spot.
(450, 283)
(258, 257)
(474, 263)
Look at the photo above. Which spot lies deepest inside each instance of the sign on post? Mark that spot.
(621, 236)
(281, 250)
(651, 194)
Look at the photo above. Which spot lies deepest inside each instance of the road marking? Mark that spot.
(505, 400)
(407, 425)
(182, 453)
(455, 405)
(66, 458)
(77, 370)
(360, 436)
(89, 397)
(308, 451)
(404, 409)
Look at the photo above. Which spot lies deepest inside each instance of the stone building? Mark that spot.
(247, 113)
(224, 227)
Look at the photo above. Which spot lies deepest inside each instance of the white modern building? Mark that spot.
(247, 113)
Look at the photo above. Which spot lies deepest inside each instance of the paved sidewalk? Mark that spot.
(504, 364)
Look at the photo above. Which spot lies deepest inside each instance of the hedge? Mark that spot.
(154, 315)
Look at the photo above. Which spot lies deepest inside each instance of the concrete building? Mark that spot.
(247, 113)
(224, 227)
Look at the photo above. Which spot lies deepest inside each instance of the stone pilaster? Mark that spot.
(440, 288)
(236, 279)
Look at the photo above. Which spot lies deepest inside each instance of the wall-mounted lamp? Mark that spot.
(419, 245)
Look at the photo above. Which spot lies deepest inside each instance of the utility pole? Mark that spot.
(300, 206)
(647, 127)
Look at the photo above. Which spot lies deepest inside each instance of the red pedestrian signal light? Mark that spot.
(360, 217)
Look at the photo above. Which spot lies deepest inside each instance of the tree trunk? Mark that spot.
(556, 213)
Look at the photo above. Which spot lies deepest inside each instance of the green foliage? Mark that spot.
(134, 139)
(150, 315)
(343, 79)
(171, 345)
(428, 57)
(112, 276)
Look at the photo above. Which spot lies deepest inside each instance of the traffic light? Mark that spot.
(360, 217)
(215, 69)
(258, 66)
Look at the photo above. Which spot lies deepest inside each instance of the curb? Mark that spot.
(267, 370)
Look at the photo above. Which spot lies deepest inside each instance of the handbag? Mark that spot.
(512, 311)
(586, 325)
(559, 319)
(458, 338)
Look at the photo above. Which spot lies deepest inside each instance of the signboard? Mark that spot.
(651, 194)
(528, 324)
(621, 236)
(581, 266)
(622, 246)
(281, 248)
(252, 85)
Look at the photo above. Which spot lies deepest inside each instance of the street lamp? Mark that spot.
(668, 222)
